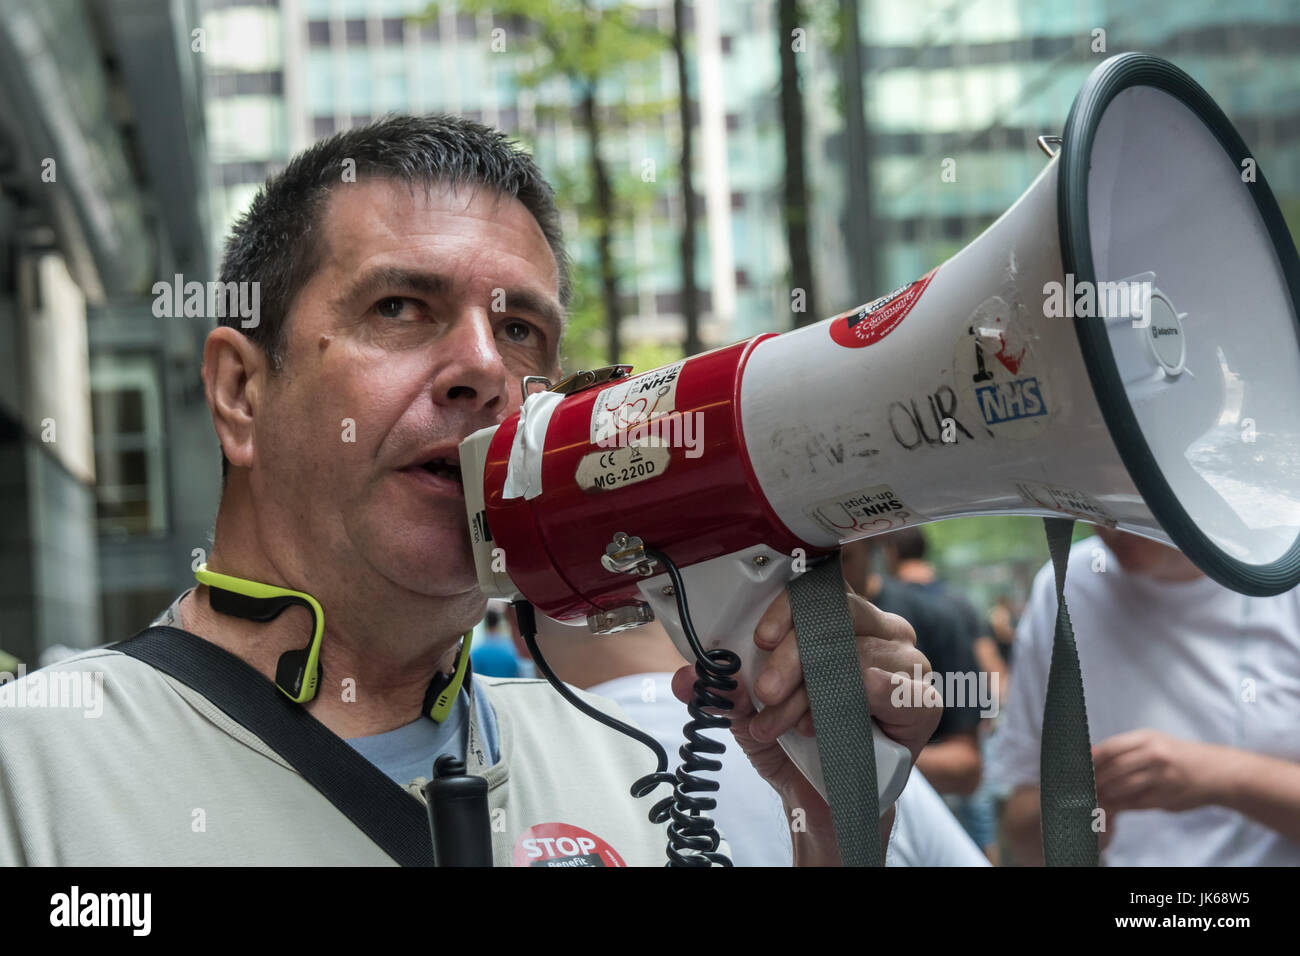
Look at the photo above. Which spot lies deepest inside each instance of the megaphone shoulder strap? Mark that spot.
(385, 812)
(1067, 787)
(838, 701)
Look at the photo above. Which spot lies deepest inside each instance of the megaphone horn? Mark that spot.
(1120, 346)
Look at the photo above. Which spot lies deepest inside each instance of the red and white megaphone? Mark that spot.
(1120, 346)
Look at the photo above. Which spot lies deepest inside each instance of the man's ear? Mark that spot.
(234, 370)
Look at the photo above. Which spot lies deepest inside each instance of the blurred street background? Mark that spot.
(835, 150)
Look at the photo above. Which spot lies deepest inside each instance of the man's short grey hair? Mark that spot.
(278, 241)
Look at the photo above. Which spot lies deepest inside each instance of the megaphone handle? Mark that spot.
(747, 599)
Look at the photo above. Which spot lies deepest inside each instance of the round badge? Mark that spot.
(562, 844)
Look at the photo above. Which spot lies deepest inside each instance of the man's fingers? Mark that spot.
(869, 619)
(682, 681)
(683, 684)
(1112, 747)
(772, 722)
(885, 640)
(892, 656)
(907, 710)
(782, 673)
(1123, 790)
(775, 622)
(1118, 765)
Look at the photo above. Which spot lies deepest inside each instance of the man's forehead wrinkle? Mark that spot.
(378, 228)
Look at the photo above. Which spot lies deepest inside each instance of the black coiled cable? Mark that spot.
(693, 838)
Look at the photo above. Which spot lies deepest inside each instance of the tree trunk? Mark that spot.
(859, 215)
(690, 297)
(604, 196)
(796, 190)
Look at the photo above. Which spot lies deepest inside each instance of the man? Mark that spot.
(411, 273)
(635, 669)
(1193, 693)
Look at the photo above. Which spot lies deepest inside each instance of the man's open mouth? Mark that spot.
(444, 468)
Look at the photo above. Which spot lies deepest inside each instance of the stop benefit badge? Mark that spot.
(562, 844)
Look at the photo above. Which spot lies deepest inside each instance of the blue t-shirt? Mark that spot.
(409, 751)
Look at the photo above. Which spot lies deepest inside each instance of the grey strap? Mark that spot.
(832, 676)
(1068, 790)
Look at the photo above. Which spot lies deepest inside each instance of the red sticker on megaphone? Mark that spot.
(870, 323)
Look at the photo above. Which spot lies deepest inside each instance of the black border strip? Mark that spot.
(1104, 83)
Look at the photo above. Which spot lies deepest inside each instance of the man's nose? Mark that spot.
(472, 370)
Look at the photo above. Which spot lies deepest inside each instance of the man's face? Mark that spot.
(428, 308)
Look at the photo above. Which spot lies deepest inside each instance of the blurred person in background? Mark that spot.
(1003, 619)
(635, 668)
(1193, 700)
(493, 652)
(908, 557)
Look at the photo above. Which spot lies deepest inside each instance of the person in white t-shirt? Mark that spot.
(635, 670)
(1193, 700)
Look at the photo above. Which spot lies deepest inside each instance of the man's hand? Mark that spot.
(888, 655)
(1150, 770)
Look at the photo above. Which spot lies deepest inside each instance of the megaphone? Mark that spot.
(1121, 346)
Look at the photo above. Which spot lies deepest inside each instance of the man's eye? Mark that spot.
(518, 331)
(392, 308)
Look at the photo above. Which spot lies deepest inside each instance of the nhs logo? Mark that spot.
(1008, 401)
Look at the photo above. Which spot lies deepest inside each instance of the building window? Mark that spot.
(318, 32)
(130, 473)
(269, 83)
(394, 30)
(355, 31)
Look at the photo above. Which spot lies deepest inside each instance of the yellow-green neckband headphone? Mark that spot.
(298, 672)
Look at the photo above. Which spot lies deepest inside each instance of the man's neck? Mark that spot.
(371, 680)
(915, 572)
